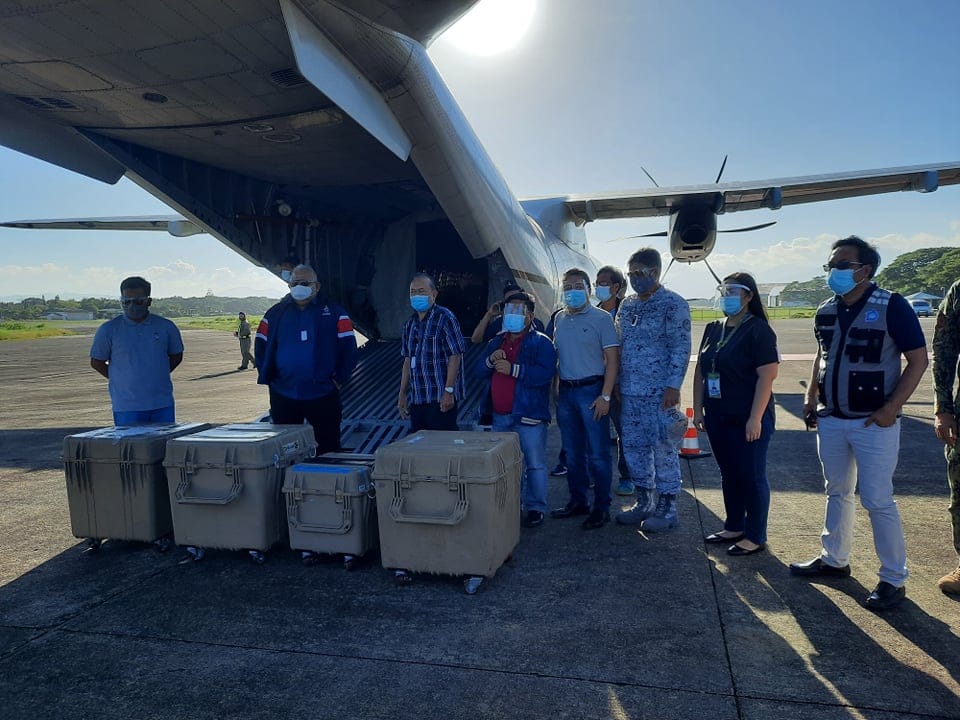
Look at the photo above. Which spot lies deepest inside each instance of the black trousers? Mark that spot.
(324, 414)
(428, 417)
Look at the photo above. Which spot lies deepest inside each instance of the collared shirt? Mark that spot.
(139, 358)
(298, 345)
(654, 342)
(430, 343)
(581, 337)
(502, 386)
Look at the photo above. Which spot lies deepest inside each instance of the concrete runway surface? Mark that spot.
(609, 623)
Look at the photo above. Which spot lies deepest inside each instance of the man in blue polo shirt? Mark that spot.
(432, 350)
(305, 350)
(136, 352)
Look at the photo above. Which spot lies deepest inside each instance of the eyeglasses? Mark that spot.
(127, 302)
(841, 265)
(304, 283)
(645, 272)
(572, 286)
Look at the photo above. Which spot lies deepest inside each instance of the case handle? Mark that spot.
(455, 517)
(184, 499)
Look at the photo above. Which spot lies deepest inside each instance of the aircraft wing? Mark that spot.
(173, 224)
(771, 194)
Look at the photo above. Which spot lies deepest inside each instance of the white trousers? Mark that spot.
(853, 455)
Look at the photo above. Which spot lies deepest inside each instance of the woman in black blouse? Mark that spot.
(732, 397)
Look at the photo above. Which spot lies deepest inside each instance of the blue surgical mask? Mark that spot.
(285, 275)
(301, 292)
(514, 323)
(420, 303)
(731, 304)
(603, 293)
(574, 298)
(841, 281)
(642, 284)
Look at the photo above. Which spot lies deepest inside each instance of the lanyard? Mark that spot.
(724, 339)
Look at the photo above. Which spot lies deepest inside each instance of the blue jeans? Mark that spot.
(143, 417)
(587, 442)
(533, 444)
(743, 473)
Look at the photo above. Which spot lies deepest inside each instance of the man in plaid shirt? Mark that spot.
(432, 350)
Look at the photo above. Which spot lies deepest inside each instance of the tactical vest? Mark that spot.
(859, 368)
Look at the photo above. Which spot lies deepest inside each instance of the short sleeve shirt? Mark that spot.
(139, 358)
(752, 345)
(429, 343)
(581, 337)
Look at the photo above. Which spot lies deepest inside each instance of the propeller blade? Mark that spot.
(649, 176)
(634, 237)
(721, 169)
(752, 227)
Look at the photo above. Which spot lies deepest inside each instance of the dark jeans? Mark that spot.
(428, 417)
(322, 413)
(587, 444)
(743, 473)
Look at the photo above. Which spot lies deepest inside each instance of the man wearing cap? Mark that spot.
(654, 330)
(305, 351)
(136, 352)
(243, 334)
(588, 353)
(520, 363)
(432, 348)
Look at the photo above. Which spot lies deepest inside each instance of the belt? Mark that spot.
(592, 380)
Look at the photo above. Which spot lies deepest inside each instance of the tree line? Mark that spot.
(36, 308)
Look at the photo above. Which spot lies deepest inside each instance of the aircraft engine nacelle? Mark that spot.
(693, 233)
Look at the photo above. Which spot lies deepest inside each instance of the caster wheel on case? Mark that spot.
(350, 562)
(196, 553)
(258, 557)
(472, 584)
(163, 545)
(93, 545)
(402, 577)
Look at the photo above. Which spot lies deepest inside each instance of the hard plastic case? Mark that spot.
(224, 484)
(449, 502)
(116, 485)
(330, 508)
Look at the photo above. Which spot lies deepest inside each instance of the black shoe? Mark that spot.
(817, 567)
(532, 519)
(718, 539)
(596, 519)
(885, 596)
(559, 471)
(737, 550)
(569, 510)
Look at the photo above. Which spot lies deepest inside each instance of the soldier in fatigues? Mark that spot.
(243, 333)
(654, 330)
(946, 351)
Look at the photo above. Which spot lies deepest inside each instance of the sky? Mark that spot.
(592, 91)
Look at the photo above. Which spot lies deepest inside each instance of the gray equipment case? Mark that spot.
(449, 502)
(330, 508)
(116, 486)
(224, 483)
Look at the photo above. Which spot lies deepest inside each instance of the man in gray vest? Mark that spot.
(854, 399)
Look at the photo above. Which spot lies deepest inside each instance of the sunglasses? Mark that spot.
(127, 302)
(841, 265)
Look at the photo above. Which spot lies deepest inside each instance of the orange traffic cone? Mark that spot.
(691, 440)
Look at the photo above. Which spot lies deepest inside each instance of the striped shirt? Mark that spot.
(430, 343)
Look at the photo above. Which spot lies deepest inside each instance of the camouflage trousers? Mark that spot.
(651, 457)
(953, 477)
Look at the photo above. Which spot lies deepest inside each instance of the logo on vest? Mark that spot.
(871, 316)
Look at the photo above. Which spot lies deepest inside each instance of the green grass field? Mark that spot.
(31, 330)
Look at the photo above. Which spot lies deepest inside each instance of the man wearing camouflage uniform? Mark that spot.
(654, 330)
(946, 351)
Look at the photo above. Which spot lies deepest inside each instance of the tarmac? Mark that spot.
(608, 623)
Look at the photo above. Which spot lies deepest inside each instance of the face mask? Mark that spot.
(642, 284)
(285, 275)
(136, 312)
(730, 304)
(603, 293)
(841, 281)
(514, 323)
(574, 298)
(301, 292)
(420, 303)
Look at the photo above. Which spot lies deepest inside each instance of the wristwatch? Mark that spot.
(449, 390)
(605, 398)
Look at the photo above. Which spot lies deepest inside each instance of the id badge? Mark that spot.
(713, 385)
(303, 336)
(413, 363)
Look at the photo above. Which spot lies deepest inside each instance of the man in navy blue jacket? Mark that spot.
(305, 350)
(521, 363)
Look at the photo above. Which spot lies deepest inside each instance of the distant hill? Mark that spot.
(36, 308)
